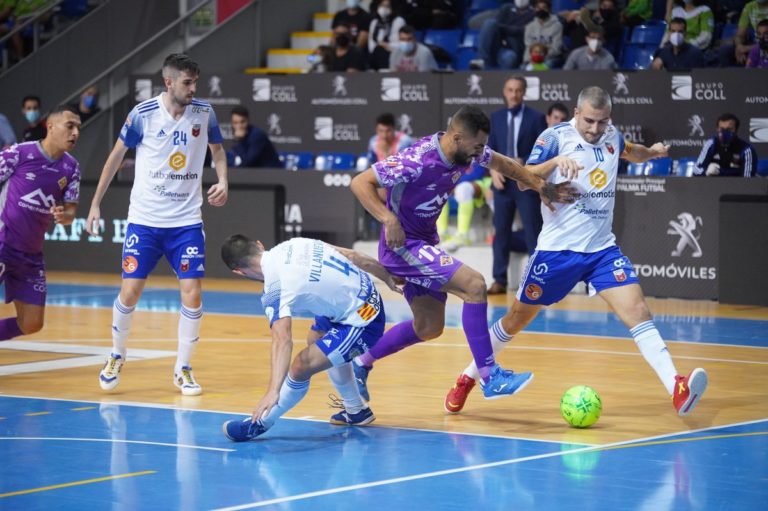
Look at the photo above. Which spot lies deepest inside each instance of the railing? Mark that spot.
(18, 29)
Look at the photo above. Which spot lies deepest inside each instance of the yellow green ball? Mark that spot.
(581, 406)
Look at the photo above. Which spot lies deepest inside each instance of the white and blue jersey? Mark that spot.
(167, 188)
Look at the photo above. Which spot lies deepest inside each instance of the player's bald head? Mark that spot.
(595, 97)
(469, 120)
(175, 63)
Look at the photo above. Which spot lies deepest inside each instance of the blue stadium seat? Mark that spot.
(446, 39)
(566, 5)
(470, 39)
(476, 6)
(335, 161)
(635, 169)
(637, 56)
(658, 167)
(463, 58)
(297, 161)
(685, 167)
(729, 30)
(651, 33)
(762, 167)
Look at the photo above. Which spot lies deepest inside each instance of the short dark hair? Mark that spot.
(471, 119)
(518, 78)
(729, 117)
(240, 110)
(407, 29)
(60, 109)
(763, 23)
(31, 98)
(386, 119)
(559, 107)
(180, 62)
(680, 21)
(237, 250)
(597, 29)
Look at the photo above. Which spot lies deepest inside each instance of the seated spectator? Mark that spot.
(545, 29)
(14, 14)
(758, 56)
(591, 56)
(699, 22)
(252, 146)
(383, 34)
(345, 55)
(556, 114)
(88, 106)
(725, 154)
(357, 21)
(411, 55)
(500, 40)
(387, 141)
(736, 52)
(320, 60)
(677, 54)
(727, 11)
(426, 14)
(606, 17)
(637, 12)
(36, 124)
(476, 21)
(537, 58)
(7, 137)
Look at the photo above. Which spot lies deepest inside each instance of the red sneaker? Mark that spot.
(458, 394)
(688, 391)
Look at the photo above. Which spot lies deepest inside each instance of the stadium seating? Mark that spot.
(566, 5)
(445, 39)
(658, 167)
(335, 161)
(684, 167)
(762, 167)
(637, 56)
(635, 169)
(477, 6)
(470, 39)
(729, 30)
(650, 33)
(297, 161)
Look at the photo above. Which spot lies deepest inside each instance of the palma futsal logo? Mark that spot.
(177, 161)
(598, 178)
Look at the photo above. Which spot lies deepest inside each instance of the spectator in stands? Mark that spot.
(16, 13)
(699, 22)
(477, 20)
(252, 146)
(727, 11)
(537, 58)
(556, 114)
(357, 21)
(345, 56)
(591, 56)
(545, 29)
(321, 59)
(383, 34)
(637, 12)
(88, 106)
(736, 52)
(36, 127)
(725, 154)
(606, 17)
(387, 141)
(677, 54)
(426, 14)
(411, 55)
(7, 137)
(500, 41)
(758, 56)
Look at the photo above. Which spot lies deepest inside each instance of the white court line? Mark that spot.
(140, 442)
(482, 466)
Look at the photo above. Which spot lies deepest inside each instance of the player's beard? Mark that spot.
(462, 158)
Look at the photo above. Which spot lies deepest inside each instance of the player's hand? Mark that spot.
(497, 179)
(561, 192)
(264, 405)
(218, 193)
(569, 168)
(395, 283)
(659, 150)
(94, 220)
(393, 233)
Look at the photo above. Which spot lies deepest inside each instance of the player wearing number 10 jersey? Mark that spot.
(170, 133)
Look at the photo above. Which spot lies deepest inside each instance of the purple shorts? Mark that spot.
(425, 268)
(23, 275)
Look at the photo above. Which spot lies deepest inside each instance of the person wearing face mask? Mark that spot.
(591, 56)
(736, 53)
(758, 56)
(357, 21)
(88, 106)
(725, 154)
(345, 55)
(36, 123)
(699, 19)
(411, 55)
(537, 58)
(677, 54)
(545, 29)
(606, 17)
(383, 34)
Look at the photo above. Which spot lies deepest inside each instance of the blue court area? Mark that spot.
(704, 329)
(82, 455)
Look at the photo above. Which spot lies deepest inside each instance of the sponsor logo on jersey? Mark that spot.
(579, 147)
(446, 260)
(161, 133)
(533, 291)
(177, 161)
(130, 264)
(598, 178)
(184, 265)
(62, 182)
(620, 275)
(195, 130)
(609, 147)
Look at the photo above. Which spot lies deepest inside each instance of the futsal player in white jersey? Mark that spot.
(170, 133)
(576, 244)
(331, 283)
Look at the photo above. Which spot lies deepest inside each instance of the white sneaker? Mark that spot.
(453, 244)
(109, 376)
(185, 380)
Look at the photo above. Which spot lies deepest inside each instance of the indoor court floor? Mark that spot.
(66, 444)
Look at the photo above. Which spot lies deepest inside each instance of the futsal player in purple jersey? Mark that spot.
(419, 180)
(39, 181)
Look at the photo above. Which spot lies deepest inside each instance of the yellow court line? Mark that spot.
(674, 441)
(81, 408)
(77, 483)
(34, 414)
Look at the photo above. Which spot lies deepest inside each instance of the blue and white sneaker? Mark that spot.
(361, 418)
(361, 377)
(504, 383)
(109, 376)
(243, 430)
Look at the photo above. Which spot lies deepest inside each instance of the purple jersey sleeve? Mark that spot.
(9, 158)
(72, 193)
(397, 169)
(133, 129)
(484, 159)
(214, 133)
(545, 148)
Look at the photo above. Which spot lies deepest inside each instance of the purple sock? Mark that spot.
(474, 318)
(9, 329)
(396, 338)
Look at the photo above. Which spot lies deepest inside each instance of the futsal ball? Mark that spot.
(580, 406)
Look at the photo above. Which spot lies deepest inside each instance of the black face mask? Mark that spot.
(607, 13)
(542, 15)
(763, 43)
(342, 40)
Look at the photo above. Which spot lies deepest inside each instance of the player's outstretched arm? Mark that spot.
(370, 265)
(365, 186)
(111, 166)
(638, 153)
(282, 346)
(218, 193)
(549, 192)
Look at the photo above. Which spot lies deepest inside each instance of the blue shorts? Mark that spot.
(550, 276)
(342, 343)
(183, 247)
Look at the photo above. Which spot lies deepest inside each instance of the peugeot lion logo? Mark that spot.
(273, 123)
(404, 124)
(685, 227)
(620, 83)
(474, 85)
(695, 123)
(214, 86)
(339, 86)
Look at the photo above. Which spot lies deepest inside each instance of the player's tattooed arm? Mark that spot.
(638, 153)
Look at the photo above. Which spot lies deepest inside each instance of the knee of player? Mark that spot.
(476, 290)
(30, 325)
(300, 370)
(428, 329)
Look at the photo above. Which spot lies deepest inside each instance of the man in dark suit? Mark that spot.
(513, 132)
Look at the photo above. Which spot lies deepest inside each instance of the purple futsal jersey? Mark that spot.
(419, 180)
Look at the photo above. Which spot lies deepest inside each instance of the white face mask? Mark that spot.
(594, 44)
(407, 46)
(384, 12)
(522, 4)
(352, 3)
(676, 38)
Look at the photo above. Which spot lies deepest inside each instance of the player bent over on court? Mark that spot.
(304, 275)
(418, 182)
(576, 244)
(170, 133)
(40, 182)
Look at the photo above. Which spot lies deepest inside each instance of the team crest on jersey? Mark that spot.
(130, 264)
(195, 130)
(620, 275)
(609, 147)
(184, 265)
(177, 161)
(598, 178)
(455, 177)
(446, 260)
(62, 182)
(533, 292)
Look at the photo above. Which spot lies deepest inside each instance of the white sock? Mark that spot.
(655, 352)
(499, 339)
(343, 379)
(121, 326)
(290, 394)
(189, 334)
